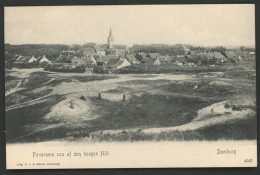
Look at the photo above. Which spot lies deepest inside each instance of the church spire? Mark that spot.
(110, 40)
(110, 33)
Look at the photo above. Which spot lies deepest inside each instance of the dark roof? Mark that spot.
(146, 59)
(219, 55)
(87, 59)
(60, 59)
(153, 55)
(26, 59)
(23, 59)
(230, 54)
(132, 58)
(119, 62)
(112, 62)
(157, 60)
(15, 57)
(19, 58)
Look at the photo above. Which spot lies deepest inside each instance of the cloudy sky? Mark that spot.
(205, 25)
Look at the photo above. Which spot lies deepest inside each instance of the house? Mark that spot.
(99, 50)
(69, 58)
(219, 57)
(168, 59)
(251, 53)
(18, 58)
(77, 60)
(112, 62)
(89, 51)
(61, 59)
(142, 54)
(122, 62)
(43, 59)
(156, 61)
(189, 58)
(22, 59)
(180, 59)
(25, 60)
(146, 60)
(32, 59)
(164, 59)
(110, 51)
(89, 60)
(15, 58)
(231, 55)
(120, 51)
(106, 58)
(209, 56)
(132, 59)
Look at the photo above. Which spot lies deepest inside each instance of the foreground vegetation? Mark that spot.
(150, 103)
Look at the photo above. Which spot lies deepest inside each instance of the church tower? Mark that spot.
(110, 40)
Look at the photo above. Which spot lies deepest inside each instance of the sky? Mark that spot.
(200, 25)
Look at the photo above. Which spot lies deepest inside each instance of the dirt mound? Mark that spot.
(71, 109)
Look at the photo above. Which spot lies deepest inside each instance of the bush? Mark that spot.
(101, 70)
(65, 68)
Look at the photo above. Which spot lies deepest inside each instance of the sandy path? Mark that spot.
(16, 88)
(28, 103)
(104, 85)
(22, 74)
(202, 120)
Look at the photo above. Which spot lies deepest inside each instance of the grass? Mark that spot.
(93, 78)
(239, 130)
(160, 103)
(18, 119)
(36, 79)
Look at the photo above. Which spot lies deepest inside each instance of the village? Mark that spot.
(109, 92)
(106, 58)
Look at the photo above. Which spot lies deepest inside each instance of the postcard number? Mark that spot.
(248, 160)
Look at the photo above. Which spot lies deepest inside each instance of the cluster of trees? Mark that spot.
(65, 68)
(51, 51)
(246, 49)
(163, 49)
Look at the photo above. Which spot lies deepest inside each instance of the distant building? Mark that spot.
(251, 53)
(122, 62)
(89, 60)
(110, 40)
(89, 51)
(156, 61)
(110, 50)
(32, 59)
(132, 59)
(42, 59)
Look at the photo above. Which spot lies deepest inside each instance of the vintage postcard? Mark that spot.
(130, 86)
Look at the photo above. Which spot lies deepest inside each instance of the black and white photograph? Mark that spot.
(130, 86)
